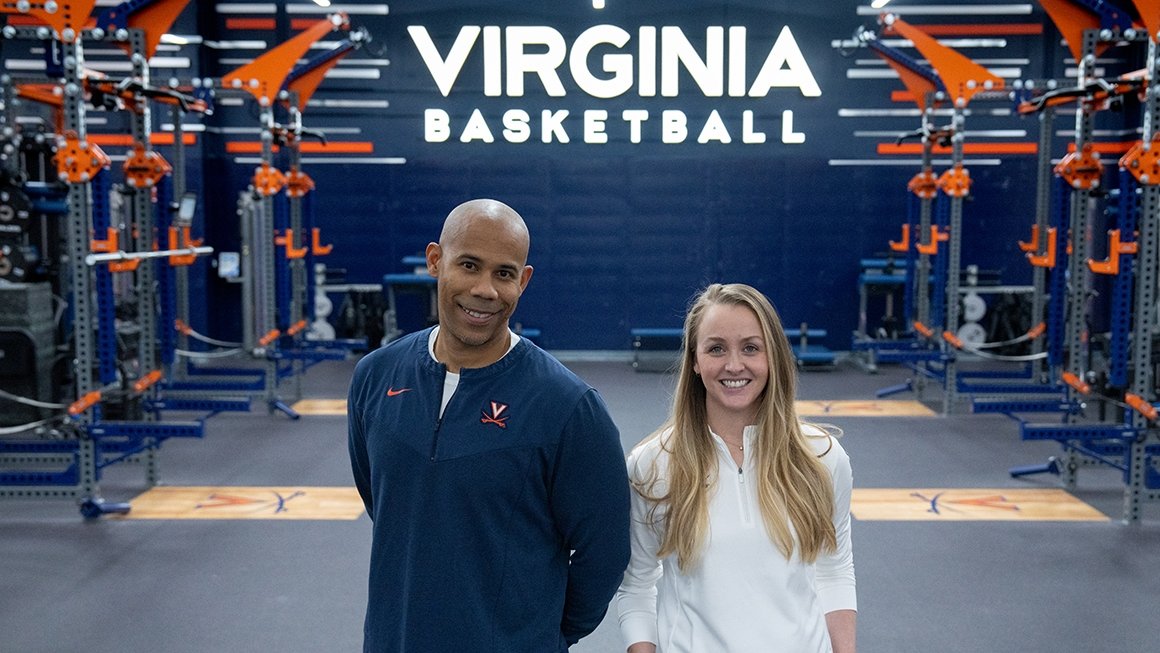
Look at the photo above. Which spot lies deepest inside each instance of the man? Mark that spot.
(493, 475)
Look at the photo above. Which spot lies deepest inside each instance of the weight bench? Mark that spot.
(807, 354)
(658, 349)
(655, 349)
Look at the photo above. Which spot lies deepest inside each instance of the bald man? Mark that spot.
(493, 475)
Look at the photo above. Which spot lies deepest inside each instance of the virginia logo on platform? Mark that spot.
(609, 61)
(497, 416)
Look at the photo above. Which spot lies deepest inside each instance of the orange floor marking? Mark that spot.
(863, 408)
(970, 504)
(838, 408)
(320, 407)
(323, 503)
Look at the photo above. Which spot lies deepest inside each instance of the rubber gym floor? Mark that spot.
(267, 554)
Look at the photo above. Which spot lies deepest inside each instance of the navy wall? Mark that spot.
(623, 233)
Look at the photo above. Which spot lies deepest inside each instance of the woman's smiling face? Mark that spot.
(731, 359)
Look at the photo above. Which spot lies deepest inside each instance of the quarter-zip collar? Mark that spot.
(748, 437)
(499, 367)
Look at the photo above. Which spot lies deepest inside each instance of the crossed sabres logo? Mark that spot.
(278, 503)
(497, 416)
(937, 505)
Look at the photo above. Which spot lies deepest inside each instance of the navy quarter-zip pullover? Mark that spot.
(500, 527)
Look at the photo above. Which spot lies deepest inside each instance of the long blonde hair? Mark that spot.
(794, 489)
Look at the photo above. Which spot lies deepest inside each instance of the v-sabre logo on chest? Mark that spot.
(498, 415)
(649, 60)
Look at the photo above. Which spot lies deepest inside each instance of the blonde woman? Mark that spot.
(741, 514)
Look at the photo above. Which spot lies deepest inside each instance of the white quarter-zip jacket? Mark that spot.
(743, 596)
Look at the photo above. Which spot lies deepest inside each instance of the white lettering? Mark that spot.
(594, 126)
(675, 129)
(444, 71)
(515, 123)
(785, 52)
(492, 82)
(634, 117)
(436, 126)
(737, 45)
(543, 64)
(788, 135)
(747, 133)
(647, 62)
(620, 65)
(552, 124)
(714, 130)
(706, 73)
(476, 129)
(660, 60)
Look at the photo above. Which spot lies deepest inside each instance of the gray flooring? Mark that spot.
(196, 586)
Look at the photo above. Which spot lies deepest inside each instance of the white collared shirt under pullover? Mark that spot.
(743, 596)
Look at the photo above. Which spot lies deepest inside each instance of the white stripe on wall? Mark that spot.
(968, 134)
(350, 104)
(353, 10)
(318, 160)
(890, 73)
(913, 163)
(952, 10)
(244, 8)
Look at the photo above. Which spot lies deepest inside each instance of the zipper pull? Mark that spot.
(435, 437)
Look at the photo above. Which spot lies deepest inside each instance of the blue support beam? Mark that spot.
(1076, 432)
(1008, 388)
(1014, 406)
(217, 386)
(200, 405)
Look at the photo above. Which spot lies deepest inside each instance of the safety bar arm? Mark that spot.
(918, 78)
(263, 77)
(1149, 11)
(152, 17)
(961, 77)
(305, 78)
(66, 17)
(1074, 17)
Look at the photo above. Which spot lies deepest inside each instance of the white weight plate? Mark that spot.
(974, 307)
(972, 334)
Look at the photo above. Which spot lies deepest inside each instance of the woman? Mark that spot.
(741, 514)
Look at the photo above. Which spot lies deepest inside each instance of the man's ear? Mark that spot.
(525, 277)
(434, 254)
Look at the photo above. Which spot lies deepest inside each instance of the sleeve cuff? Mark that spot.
(638, 629)
(844, 597)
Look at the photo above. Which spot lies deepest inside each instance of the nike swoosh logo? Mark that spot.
(391, 392)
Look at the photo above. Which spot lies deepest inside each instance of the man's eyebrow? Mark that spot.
(465, 256)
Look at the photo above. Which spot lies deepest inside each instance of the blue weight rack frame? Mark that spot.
(1129, 442)
(909, 348)
(66, 456)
